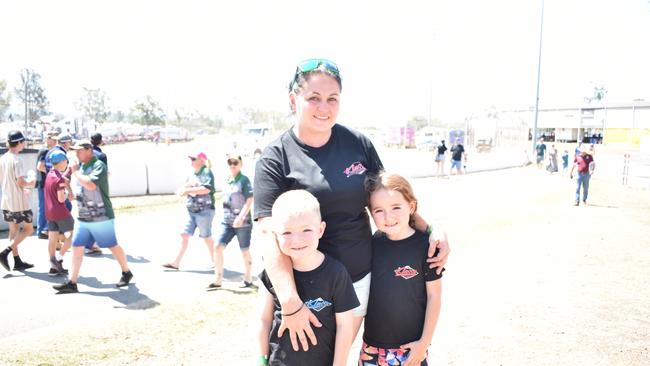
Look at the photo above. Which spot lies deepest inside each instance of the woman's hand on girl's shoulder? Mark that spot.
(438, 240)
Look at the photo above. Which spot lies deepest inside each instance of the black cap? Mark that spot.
(96, 138)
(15, 136)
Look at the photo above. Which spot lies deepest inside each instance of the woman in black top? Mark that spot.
(330, 161)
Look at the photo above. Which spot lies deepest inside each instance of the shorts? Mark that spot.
(362, 289)
(440, 157)
(100, 232)
(18, 216)
(202, 220)
(243, 235)
(540, 158)
(455, 164)
(61, 226)
(371, 356)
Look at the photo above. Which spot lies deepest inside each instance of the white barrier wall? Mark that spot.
(127, 178)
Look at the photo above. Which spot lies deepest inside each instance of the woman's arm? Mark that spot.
(418, 348)
(344, 337)
(279, 268)
(437, 239)
(266, 321)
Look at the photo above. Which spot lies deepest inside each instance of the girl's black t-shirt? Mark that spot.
(334, 173)
(398, 294)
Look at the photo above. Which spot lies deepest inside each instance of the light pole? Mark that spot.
(539, 66)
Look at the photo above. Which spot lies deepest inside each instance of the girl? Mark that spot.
(404, 298)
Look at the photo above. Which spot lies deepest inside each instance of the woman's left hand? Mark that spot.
(438, 239)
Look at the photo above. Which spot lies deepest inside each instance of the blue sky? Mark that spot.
(453, 57)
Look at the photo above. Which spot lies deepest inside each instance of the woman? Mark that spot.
(440, 157)
(199, 193)
(330, 161)
(237, 203)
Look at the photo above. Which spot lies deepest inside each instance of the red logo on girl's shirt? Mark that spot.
(405, 272)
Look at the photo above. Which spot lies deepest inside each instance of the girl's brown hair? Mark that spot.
(392, 182)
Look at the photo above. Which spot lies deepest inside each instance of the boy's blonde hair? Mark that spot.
(294, 203)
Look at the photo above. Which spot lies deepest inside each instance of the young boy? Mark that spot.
(322, 283)
(59, 219)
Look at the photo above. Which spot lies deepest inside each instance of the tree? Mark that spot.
(32, 95)
(5, 98)
(148, 112)
(417, 122)
(93, 105)
(598, 95)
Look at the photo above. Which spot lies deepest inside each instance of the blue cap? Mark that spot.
(57, 156)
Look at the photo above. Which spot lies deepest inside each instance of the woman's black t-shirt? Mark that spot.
(334, 173)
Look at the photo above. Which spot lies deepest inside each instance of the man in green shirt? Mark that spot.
(96, 222)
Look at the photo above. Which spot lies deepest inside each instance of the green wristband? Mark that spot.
(263, 360)
(429, 229)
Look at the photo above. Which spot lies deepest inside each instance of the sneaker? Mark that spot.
(125, 279)
(584, 203)
(43, 236)
(94, 251)
(21, 266)
(56, 264)
(577, 203)
(247, 284)
(54, 273)
(212, 287)
(4, 261)
(66, 288)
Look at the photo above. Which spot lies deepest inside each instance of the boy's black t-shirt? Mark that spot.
(326, 290)
(334, 174)
(398, 294)
(457, 152)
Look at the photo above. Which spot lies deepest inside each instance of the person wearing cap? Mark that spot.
(59, 219)
(584, 162)
(96, 219)
(64, 140)
(41, 222)
(199, 193)
(96, 140)
(237, 202)
(15, 200)
(457, 154)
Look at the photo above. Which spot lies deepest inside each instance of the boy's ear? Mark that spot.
(322, 229)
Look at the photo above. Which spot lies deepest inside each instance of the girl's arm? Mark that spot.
(419, 347)
(437, 239)
(280, 270)
(344, 337)
(266, 321)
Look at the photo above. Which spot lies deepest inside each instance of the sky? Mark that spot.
(440, 59)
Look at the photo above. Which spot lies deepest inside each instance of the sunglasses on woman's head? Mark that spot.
(233, 162)
(311, 65)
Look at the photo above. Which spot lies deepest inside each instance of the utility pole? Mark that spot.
(539, 66)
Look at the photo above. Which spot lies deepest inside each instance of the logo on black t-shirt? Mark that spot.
(355, 169)
(405, 272)
(318, 304)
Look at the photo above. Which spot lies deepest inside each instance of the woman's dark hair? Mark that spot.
(301, 77)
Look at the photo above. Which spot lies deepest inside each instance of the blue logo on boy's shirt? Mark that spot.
(318, 304)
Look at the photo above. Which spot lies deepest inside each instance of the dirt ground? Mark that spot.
(532, 280)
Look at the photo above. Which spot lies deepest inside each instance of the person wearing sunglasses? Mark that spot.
(237, 202)
(330, 161)
(199, 194)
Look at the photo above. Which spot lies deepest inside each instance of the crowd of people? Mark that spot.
(94, 226)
